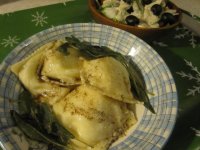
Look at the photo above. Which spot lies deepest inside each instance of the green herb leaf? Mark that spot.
(24, 104)
(61, 133)
(140, 5)
(138, 84)
(40, 115)
(63, 48)
(32, 132)
(45, 116)
(50, 124)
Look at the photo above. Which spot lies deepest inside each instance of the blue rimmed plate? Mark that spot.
(151, 132)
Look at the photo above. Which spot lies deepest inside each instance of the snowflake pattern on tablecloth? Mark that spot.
(10, 41)
(196, 88)
(197, 132)
(161, 44)
(66, 1)
(183, 32)
(198, 148)
(39, 19)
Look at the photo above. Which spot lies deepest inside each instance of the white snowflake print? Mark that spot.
(39, 19)
(184, 32)
(196, 88)
(197, 132)
(66, 1)
(10, 41)
(161, 44)
(198, 148)
(6, 14)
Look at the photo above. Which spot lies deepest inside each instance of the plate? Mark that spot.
(152, 131)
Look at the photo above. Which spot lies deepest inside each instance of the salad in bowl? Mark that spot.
(141, 13)
(143, 18)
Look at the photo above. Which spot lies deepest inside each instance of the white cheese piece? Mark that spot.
(110, 3)
(121, 11)
(110, 12)
(149, 17)
(136, 10)
(171, 11)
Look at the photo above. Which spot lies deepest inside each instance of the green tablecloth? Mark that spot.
(179, 48)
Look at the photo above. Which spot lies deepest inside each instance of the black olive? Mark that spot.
(168, 18)
(146, 2)
(156, 9)
(130, 10)
(132, 20)
(170, 5)
(128, 1)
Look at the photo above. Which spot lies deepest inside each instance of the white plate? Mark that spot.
(152, 131)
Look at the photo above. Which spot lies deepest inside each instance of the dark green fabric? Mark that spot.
(180, 49)
(20, 23)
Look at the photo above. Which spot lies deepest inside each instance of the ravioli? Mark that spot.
(109, 76)
(62, 69)
(92, 117)
(26, 70)
(15, 68)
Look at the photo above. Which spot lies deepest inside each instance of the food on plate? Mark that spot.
(77, 96)
(27, 72)
(61, 69)
(92, 117)
(114, 83)
(141, 13)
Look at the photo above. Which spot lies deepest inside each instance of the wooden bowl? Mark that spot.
(141, 32)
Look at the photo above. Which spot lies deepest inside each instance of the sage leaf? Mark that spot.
(24, 104)
(41, 116)
(32, 132)
(64, 48)
(138, 86)
(51, 125)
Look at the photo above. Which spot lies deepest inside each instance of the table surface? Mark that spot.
(192, 6)
(180, 49)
